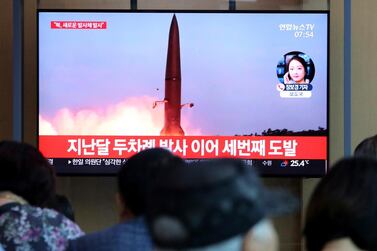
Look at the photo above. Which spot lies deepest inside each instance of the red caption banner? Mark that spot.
(77, 25)
(191, 147)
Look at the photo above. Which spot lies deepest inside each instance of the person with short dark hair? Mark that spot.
(133, 180)
(214, 205)
(342, 211)
(27, 183)
(367, 147)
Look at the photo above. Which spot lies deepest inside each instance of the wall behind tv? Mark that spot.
(363, 74)
(92, 197)
(6, 67)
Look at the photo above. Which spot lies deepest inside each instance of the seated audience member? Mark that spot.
(131, 233)
(342, 212)
(61, 204)
(27, 183)
(367, 147)
(217, 205)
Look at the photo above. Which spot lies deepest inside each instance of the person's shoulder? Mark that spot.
(131, 234)
(63, 222)
(48, 229)
(51, 219)
(25, 212)
(136, 225)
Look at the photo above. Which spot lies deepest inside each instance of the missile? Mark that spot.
(172, 101)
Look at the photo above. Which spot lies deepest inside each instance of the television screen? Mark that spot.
(246, 85)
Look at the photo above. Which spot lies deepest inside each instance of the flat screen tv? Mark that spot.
(248, 85)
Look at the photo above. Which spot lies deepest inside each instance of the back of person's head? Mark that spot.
(344, 205)
(367, 147)
(133, 178)
(25, 172)
(211, 205)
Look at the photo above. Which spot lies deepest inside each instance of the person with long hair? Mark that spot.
(27, 184)
(296, 71)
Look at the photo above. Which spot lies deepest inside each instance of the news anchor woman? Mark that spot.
(296, 71)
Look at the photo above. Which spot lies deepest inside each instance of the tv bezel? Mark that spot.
(303, 12)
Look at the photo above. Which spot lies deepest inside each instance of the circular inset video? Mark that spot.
(295, 67)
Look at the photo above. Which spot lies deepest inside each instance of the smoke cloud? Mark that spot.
(133, 116)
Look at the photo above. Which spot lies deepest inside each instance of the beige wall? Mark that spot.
(92, 197)
(336, 92)
(83, 4)
(336, 80)
(364, 74)
(336, 95)
(183, 4)
(30, 72)
(6, 78)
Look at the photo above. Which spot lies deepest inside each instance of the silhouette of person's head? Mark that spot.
(133, 179)
(344, 205)
(367, 147)
(25, 172)
(213, 205)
